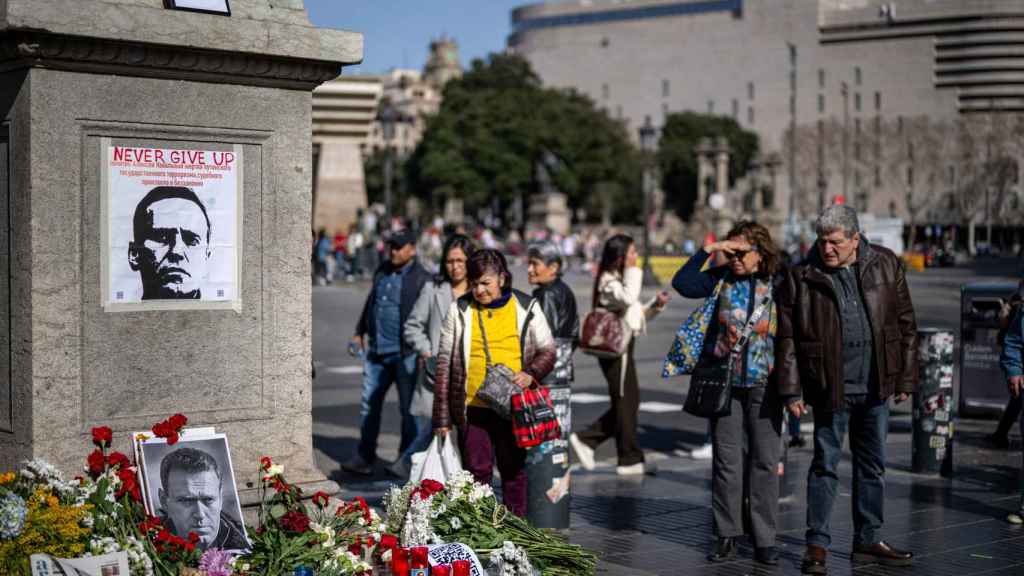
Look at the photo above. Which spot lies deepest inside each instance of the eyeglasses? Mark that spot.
(741, 254)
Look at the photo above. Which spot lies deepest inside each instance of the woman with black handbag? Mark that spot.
(422, 331)
(736, 361)
(494, 337)
(617, 290)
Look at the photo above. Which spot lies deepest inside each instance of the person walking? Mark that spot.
(747, 441)
(492, 325)
(617, 286)
(1012, 361)
(423, 333)
(389, 357)
(1000, 438)
(847, 340)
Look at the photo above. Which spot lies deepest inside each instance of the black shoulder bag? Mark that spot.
(711, 382)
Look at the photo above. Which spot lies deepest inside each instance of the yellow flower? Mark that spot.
(7, 478)
(50, 528)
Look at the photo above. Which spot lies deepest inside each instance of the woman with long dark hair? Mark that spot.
(492, 324)
(423, 333)
(617, 289)
(745, 443)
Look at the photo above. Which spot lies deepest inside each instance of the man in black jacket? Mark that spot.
(389, 358)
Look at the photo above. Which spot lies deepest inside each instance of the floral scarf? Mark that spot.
(733, 306)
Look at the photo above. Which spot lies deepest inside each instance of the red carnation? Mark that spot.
(96, 462)
(356, 547)
(320, 500)
(170, 428)
(129, 484)
(116, 459)
(266, 463)
(388, 541)
(102, 436)
(295, 521)
(432, 485)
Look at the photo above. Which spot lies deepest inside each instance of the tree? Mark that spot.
(496, 124)
(677, 158)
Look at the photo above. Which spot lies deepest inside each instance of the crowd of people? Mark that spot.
(833, 334)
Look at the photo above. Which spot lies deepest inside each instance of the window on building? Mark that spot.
(857, 76)
(666, 89)
(856, 101)
(664, 110)
(618, 111)
(792, 105)
(878, 101)
(878, 176)
(711, 106)
(821, 103)
(605, 42)
(750, 115)
(606, 91)
(856, 126)
(856, 178)
(910, 176)
(856, 150)
(951, 175)
(750, 90)
(821, 78)
(735, 109)
(899, 124)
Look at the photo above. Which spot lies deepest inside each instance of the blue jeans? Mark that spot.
(379, 372)
(424, 434)
(867, 418)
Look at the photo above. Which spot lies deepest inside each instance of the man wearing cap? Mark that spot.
(389, 359)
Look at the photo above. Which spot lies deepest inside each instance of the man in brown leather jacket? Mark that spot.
(846, 342)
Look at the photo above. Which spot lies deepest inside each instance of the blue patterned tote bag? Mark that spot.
(689, 342)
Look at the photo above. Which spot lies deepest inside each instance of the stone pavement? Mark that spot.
(662, 524)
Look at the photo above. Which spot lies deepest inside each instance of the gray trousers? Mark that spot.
(744, 480)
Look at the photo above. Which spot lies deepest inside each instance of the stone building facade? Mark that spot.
(834, 68)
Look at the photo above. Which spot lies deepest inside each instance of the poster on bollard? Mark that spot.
(171, 232)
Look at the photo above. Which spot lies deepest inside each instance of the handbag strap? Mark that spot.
(483, 335)
(749, 328)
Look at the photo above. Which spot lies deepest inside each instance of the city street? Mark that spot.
(662, 524)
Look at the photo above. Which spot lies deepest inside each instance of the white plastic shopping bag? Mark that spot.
(438, 462)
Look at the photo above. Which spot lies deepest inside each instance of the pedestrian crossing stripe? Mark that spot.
(344, 370)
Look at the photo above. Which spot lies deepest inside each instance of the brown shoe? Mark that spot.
(883, 554)
(814, 560)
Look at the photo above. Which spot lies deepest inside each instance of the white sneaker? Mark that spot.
(1015, 517)
(584, 453)
(703, 453)
(638, 469)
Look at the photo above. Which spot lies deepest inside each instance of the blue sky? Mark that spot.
(397, 33)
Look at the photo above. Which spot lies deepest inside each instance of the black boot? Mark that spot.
(725, 548)
(768, 555)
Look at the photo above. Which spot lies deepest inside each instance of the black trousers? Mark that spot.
(620, 421)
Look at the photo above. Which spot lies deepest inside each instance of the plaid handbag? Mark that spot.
(533, 418)
(689, 342)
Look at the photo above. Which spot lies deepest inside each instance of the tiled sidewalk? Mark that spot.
(662, 524)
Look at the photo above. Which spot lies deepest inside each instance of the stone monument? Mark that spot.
(193, 101)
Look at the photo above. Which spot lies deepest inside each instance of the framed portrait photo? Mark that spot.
(191, 487)
(207, 6)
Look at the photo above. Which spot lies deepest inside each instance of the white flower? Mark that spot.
(274, 470)
(455, 522)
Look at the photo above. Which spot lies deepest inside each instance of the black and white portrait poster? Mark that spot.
(172, 237)
(190, 486)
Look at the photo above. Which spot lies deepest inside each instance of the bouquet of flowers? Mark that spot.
(464, 511)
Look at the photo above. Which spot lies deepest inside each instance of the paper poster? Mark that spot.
(172, 227)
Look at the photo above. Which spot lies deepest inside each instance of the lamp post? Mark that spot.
(754, 169)
(648, 143)
(771, 163)
(387, 116)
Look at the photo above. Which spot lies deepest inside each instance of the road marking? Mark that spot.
(660, 407)
(344, 369)
(588, 398)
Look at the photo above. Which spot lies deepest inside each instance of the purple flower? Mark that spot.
(216, 562)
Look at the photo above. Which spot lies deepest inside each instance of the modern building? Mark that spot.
(344, 111)
(834, 68)
(347, 128)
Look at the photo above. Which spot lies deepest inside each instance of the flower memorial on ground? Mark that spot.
(103, 512)
(467, 512)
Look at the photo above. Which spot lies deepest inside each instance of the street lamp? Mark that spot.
(771, 163)
(648, 144)
(754, 169)
(387, 116)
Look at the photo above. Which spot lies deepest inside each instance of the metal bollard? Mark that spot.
(934, 410)
(547, 470)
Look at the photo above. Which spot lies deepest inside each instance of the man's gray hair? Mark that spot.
(837, 217)
(547, 252)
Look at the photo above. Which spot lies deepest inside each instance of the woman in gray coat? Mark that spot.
(423, 332)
